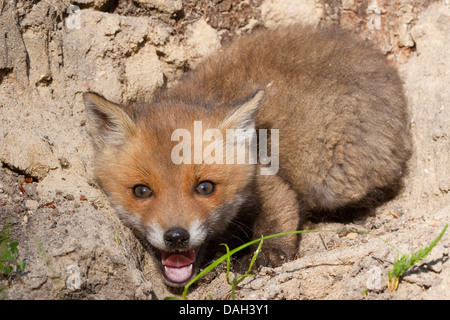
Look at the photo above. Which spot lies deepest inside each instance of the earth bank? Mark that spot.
(72, 242)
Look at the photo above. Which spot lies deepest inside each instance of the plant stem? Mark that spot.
(230, 253)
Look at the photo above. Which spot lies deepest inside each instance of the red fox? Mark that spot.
(334, 105)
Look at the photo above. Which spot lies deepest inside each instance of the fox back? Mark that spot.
(341, 126)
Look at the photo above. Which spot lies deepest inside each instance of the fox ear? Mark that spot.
(109, 123)
(243, 117)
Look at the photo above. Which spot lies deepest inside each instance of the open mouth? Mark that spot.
(178, 266)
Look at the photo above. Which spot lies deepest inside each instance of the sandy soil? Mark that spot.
(71, 240)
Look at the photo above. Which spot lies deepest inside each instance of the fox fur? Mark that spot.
(343, 142)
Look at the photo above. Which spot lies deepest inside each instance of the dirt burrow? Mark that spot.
(71, 240)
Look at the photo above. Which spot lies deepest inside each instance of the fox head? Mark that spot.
(155, 164)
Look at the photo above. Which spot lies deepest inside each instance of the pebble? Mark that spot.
(69, 197)
(31, 205)
(352, 235)
(73, 281)
(375, 280)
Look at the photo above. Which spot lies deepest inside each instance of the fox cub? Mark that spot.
(323, 109)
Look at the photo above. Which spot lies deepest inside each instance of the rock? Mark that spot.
(31, 205)
(143, 73)
(12, 50)
(375, 279)
(170, 6)
(201, 41)
(352, 235)
(97, 4)
(282, 12)
(428, 99)
(73, 281)
(36, 46)
(24, 151)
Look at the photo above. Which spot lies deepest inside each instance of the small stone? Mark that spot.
(352, 235)
(73, 281)
(64, 162)
(70, 197)
(31, 205)
(374, 280)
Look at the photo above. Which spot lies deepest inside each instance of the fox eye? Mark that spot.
(205, 188)
(142, 192)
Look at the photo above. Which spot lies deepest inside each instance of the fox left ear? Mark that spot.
(110, 123)
(244, 116)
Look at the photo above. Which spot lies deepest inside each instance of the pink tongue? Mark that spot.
(178, 266)
(178, 260)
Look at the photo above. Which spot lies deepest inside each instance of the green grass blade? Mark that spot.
(406, 261)
(230, 253)
(228, 263)
(397, 268)
(255, 255)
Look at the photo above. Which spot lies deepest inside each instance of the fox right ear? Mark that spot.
(243, 117)
(109, 123)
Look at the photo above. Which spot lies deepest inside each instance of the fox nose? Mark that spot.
(176, 238)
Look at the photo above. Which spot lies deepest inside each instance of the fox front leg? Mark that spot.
(279, 212)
